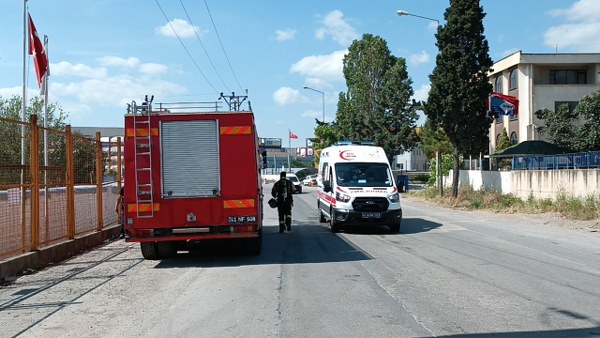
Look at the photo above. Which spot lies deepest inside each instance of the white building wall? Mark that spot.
(579, 183)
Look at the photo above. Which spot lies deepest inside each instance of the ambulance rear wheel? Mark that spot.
(149, 250)
(166, 249)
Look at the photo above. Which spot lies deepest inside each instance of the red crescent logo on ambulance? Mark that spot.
(347, 155)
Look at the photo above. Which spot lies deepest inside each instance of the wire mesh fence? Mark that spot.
(53, 186)
(587, 160)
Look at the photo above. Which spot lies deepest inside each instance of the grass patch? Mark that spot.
(584, 209)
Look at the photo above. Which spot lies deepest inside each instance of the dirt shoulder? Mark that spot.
(550, 219)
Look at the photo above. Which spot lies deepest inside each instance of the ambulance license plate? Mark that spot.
(371, 215)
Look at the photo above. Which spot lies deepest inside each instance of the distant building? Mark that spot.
(414, 160)
(108, 137)
(540, 81)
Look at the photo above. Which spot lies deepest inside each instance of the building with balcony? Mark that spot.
(540, 81)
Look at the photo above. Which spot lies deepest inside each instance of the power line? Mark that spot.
(223, 48)
(201, 44)
(185, 48)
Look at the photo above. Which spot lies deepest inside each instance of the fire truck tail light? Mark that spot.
(140, 233)
(244, 228)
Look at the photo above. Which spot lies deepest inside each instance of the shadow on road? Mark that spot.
(304, 244)
(409, 226)
(566, 333)
(417, 225)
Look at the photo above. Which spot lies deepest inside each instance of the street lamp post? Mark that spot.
(438, 154)
(405, 13)
(323, 94)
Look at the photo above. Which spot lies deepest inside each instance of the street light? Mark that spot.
(318, 91)
(405, 13)
(438, 153)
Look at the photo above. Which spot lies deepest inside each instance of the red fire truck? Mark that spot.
(191, 175)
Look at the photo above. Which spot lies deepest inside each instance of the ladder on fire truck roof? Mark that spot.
(142, 139)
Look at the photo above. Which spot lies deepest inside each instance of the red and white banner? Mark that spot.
(37, 50)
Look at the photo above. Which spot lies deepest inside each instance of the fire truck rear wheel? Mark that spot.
(149, 250)
(253, 246)
(166, 249)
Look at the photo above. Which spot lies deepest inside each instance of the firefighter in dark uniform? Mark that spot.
(282, 191)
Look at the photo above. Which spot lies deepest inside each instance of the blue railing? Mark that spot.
(589, 160)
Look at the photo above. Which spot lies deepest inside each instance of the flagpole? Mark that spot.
(24, 105)
(45, 84)
(23, 113)
(289, 149)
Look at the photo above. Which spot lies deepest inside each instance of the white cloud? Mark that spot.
(338, 28)
(313, 114)
(182, 27)
(321, 67)
(108, 61)
(286, 95)
(317, 83)
(65, 68)
(285, 35)
(422, 93)
(582, 33)
(417, 59)
(153, 68)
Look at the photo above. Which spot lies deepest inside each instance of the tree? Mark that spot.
(326, 135)
(434, 140)
(459, 82)
(559, 126)
(84, 150)
(588, 109)
(10, 133)
(575, 130)
(503, 143)
(377, 105)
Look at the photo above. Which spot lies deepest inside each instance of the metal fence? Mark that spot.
(52, 191)
(588, 160)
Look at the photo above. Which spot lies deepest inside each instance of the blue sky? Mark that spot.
(106, 53)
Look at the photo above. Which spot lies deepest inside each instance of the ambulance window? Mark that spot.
(324, 170)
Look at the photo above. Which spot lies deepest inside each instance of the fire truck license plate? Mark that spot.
(371, 215)
(241, 219)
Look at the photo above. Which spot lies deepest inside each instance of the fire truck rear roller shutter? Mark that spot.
(190, 158)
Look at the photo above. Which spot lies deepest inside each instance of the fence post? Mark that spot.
(70, 184)
(121, 215)
(99, 172)
(34, 169)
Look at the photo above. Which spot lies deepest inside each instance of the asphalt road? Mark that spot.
(448, 273)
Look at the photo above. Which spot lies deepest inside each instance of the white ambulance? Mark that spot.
(357, 187)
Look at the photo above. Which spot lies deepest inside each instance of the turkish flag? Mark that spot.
(37, 50)
(292, 135)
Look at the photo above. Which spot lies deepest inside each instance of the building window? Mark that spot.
(513, 138)
(497, 139)
(572, 76)
(499, 84)
(570, 104)
(513, 80)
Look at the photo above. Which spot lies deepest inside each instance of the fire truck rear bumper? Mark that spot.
(192, 234)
